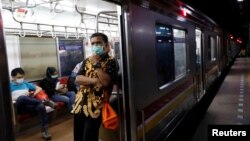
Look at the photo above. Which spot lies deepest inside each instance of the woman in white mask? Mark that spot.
(57, 91)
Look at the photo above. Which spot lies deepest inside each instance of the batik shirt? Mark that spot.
(89, 98)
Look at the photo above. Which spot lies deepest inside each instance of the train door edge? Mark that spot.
(199, 63)
(6, 116)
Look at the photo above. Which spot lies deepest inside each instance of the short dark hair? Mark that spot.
(15, 71)
(104, 37)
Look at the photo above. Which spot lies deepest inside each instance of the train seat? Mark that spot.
(23, 119)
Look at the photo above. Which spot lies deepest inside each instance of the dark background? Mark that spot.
(233, 16)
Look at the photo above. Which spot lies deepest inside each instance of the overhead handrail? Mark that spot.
(53, 34)
(66, 33)
(51, 7)
(21, 32)
(109, 29)
(30, 6)
(77, 33)
(82, 18)
(39, 32)
(84, 24)
(15, 19)
(12, 8)
(46, 33)
(98, 15)
(55, 7)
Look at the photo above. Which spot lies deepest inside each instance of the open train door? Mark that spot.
(110, 21)
(199, 65)
(64, 19)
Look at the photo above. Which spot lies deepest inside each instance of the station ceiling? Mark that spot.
(232, 15)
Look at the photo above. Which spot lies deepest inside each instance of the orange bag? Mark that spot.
(42, 95)
(109, 116)
(64, 80)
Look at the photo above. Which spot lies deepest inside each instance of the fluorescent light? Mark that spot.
(240, 0)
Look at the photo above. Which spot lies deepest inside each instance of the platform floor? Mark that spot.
(231, 105)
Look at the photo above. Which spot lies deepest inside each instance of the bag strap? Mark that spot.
(106, 96)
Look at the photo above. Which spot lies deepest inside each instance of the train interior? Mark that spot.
(42, 33)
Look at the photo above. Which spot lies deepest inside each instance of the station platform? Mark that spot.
(231, 104)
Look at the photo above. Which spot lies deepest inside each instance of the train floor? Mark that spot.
(231, 104)
(62, 130)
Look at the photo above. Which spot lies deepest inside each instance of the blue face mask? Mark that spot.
(97, 49)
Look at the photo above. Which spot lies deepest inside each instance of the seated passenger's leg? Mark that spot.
(72, 97)
(50, 103)
(26, 104)
(43, 121)
(61, 98)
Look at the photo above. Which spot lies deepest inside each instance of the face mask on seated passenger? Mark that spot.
(54, 76)
(19, 81)
(97, 49)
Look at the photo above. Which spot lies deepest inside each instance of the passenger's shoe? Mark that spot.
(50, 103)
(46, 135)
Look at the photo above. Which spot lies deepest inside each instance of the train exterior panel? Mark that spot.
(146, 88)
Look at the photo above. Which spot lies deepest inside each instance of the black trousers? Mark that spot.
(86, 128)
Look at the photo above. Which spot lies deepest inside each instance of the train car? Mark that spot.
(169, 55)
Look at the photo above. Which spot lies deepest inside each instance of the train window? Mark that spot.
(164, 52)
(198, 39)
(179, 52)
(212, 49)
(70, 53)
(36, 55)
(12, 48)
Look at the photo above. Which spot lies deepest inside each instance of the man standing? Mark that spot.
(97, 73)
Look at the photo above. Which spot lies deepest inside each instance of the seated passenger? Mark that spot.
(57, 92)
(25, 102)
(72, 85)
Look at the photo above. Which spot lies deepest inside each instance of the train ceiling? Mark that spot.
(47, 16)
(66, 5)
(232, 15)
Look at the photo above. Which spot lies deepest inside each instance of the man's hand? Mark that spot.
(31, 93)
(98, 83)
